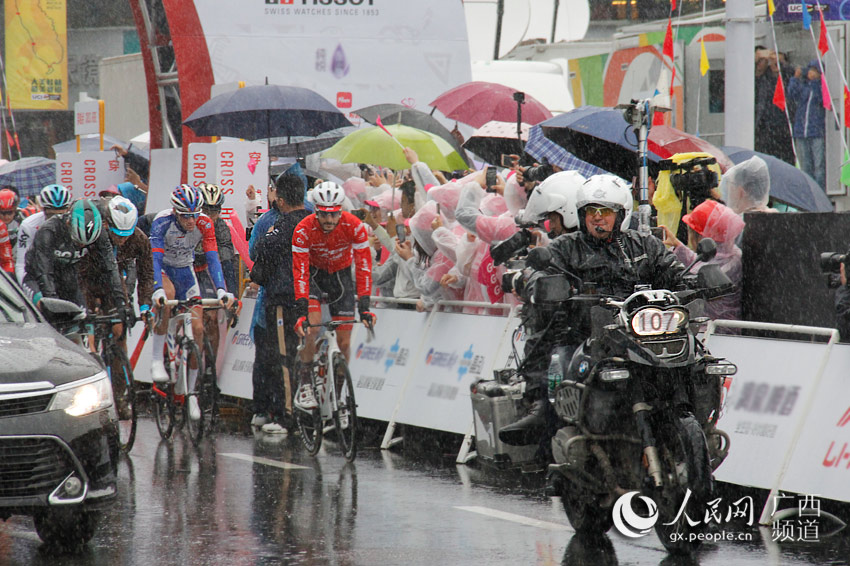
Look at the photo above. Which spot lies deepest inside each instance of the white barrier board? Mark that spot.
(237, 356)
(459, 350)
(380, 368)
(821, 462)
(763, 404)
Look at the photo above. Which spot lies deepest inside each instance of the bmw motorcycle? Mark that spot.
(638, 405)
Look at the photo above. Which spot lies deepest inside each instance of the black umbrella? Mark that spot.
(398, 114)
(300, 146)
(266, 111)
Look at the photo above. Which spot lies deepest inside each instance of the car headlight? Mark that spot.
(84, 399)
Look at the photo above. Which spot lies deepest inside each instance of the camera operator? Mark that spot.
(685, 181)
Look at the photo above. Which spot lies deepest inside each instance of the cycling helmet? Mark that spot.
(187, 200)
(54, 196)
(556, 194)
(8, 200)
(328, 197)
(122, 216)
(85, 222)
(605, 190)
(213, 197)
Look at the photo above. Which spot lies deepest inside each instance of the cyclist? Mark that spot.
(322, 247)
(10, 214)
(174, 234)
(54, 199)
(60, 244)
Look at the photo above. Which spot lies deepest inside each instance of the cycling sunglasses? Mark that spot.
(601, 210)
(332, 214)
(189, 214)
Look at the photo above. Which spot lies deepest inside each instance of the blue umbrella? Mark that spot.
(29, 174)
(787, 183)
(539, 147)
(266, 111)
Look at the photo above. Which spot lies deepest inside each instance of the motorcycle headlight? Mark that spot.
(652, 321)
(722, 368)
(84, 399)
(613, 374)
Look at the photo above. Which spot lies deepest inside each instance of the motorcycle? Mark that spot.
(638, 404)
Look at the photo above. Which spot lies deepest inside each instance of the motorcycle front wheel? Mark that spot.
(583, 511)
(684, 455)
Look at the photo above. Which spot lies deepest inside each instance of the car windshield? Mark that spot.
(14, 307)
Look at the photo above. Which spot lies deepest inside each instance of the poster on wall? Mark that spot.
(36, 55)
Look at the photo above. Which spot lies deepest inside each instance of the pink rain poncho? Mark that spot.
(427, 278)
(720, 223)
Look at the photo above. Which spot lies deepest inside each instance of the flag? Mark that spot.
(673, 5)
(845, 169)
(824, 89)
(380, 125)
(779, 93)
(667, 49)
(771, 7)
(9, 139)
(823, 41)
(807, 18)
(846, 107)
(703, 59)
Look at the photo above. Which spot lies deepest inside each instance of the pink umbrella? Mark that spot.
(667, 141)
(476, 103)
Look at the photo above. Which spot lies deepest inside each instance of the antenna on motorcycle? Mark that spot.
(706, 250)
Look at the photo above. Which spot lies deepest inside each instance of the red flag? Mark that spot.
(779, 94)
(673, 5)
(17, 143)
(9, 139)
(380, 125)
(658, 118)
(667, 50)
(823, 42)
(846, 107)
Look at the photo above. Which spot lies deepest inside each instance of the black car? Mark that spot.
(58, 423)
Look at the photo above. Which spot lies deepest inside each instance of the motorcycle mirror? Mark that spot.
(706, 250)
(58, 311)
(539, 258)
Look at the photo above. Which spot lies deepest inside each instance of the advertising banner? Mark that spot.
(237, 356)
(36, 55)
(89, 172)
(792, 10)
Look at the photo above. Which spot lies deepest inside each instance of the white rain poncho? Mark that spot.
(746, 186)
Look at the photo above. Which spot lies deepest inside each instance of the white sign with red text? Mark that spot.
(87, 117)
(201, 164)
(238, 165)
(89, 172)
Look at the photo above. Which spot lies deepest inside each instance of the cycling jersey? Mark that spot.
(331, 252)
(26, 234)
(174, 247)
(7, 261)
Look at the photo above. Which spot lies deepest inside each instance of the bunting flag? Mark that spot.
(673, 5)
(667, 49)
(664, 89)
(703, 59)
(823, 41)
(846, 107)
(824, 89)
(771, 7)
(779, 94)
(807, 18)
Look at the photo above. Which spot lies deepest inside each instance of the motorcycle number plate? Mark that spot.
(651, 321)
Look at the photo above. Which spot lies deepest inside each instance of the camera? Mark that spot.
(830, 265)
(692, 178)
(513, 281)
(507, 249)
(538, 174)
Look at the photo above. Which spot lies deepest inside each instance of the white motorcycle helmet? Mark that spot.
(606, 190)
(557, 193)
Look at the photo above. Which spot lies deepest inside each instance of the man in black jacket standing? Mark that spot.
(276, 344)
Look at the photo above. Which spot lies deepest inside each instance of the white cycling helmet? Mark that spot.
(609, 191)
(122, 216)
(328, 197)
(556, 194)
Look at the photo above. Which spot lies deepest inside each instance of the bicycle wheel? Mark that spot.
(124, 391)
(211, 384)
(345, 416)
(164, 410)
(195, 427)
(309, 422)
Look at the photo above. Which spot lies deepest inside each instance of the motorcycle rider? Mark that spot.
(605, 256)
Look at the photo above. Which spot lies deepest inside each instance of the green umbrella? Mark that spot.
(375, 147)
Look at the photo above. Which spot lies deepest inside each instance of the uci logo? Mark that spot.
(630, 523)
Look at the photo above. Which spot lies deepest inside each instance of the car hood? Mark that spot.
(33, 352)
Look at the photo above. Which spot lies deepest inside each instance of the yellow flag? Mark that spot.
(771, 7)
(703, 59)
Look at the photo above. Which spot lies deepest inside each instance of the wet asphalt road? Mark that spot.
(245, 500)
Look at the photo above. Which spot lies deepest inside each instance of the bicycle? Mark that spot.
(337, 408)
(171, 409)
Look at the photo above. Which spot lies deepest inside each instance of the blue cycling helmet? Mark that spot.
(187, 200)
(54, 196)
(85, 222)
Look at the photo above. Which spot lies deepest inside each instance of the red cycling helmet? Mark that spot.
(8, 200)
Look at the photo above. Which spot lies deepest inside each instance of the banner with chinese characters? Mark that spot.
(89, 172)
(36, 55)
(241, 164)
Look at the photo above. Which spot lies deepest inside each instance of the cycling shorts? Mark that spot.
(184, 280)
(339, 288)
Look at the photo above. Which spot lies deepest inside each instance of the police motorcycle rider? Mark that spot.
(609, 259)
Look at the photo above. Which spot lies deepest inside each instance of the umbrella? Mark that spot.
(787, 183)
(493, 139)
(266, 111)
(300, 146)
(541, 148)
(602, 136)
(29, 174)
(374, 146)
(399, 114)
(478, 102)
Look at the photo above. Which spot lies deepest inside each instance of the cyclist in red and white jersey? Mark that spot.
(324, 245)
